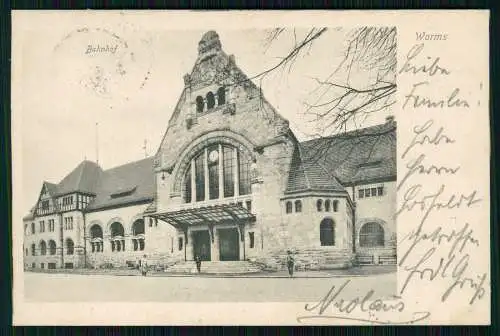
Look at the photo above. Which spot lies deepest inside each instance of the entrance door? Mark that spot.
(229, 245)
(201, 244)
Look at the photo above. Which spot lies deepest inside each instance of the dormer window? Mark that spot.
(123, 193)
(45, 205)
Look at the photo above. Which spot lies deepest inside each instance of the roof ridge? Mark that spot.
(356, 132)
(129, 163)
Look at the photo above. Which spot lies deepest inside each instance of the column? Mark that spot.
(236, 173)
(221, 172)
(193, 182)
(205, 171)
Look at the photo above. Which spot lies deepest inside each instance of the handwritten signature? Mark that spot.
(436, 252)
(359, 308)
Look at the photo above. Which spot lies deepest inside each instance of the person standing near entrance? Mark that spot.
(144, 265)
(198, 262)
(290, 262)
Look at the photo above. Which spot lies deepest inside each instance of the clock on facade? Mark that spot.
(213, 156)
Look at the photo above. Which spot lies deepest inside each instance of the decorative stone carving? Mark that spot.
(187, 79)
(209, 42)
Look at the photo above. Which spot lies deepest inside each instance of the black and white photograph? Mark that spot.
(215, 165)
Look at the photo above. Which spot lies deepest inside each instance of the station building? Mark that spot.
(229, 181)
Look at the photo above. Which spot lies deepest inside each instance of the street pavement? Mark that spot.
(56, 287)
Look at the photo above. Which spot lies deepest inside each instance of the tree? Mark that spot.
(361, 84)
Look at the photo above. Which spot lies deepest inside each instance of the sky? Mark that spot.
(66, 117)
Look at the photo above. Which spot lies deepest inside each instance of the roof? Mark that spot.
(356, 157)
(130, 183)
(51, 188)
(82, 179)
(212, 214)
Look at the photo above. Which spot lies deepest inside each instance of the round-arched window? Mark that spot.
(371, 235)
(210, 100)
(327, 232)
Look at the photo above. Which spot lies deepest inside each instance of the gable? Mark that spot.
(244, 110)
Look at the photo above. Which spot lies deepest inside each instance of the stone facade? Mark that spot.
(231, 182)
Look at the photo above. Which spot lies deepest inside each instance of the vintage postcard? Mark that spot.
(250, 168)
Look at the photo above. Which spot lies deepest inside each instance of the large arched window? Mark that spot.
(70, 246)
(371, 235)
(43, 247)
(138, 233)
(327, 232)
(52, 247)
(221, 96)
(225, 169)
(210, 100)
(96, 242)
(117, 237)
(200, 104)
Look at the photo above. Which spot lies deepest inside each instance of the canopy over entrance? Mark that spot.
(207, 215)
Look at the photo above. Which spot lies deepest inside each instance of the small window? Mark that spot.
(380, 191)
(68, 265)
(32, 228)
(288, 207)
(251, 237)
(221, 96)
(142, 244)
(319, 205)
(200, 104)
(210, 100)
(151, 222)
(361, 193)
(33, 265)
(374, 192)
(367, 192)
(249, 206)
(42, 265)
(335, 206)
(327, 205)
(298, 206)
(181, 243)
(51, 265)
(156, 221)
(70, 246)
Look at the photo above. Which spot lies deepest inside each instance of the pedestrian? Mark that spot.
(144, 265)
(290, 262)
(198, 263)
